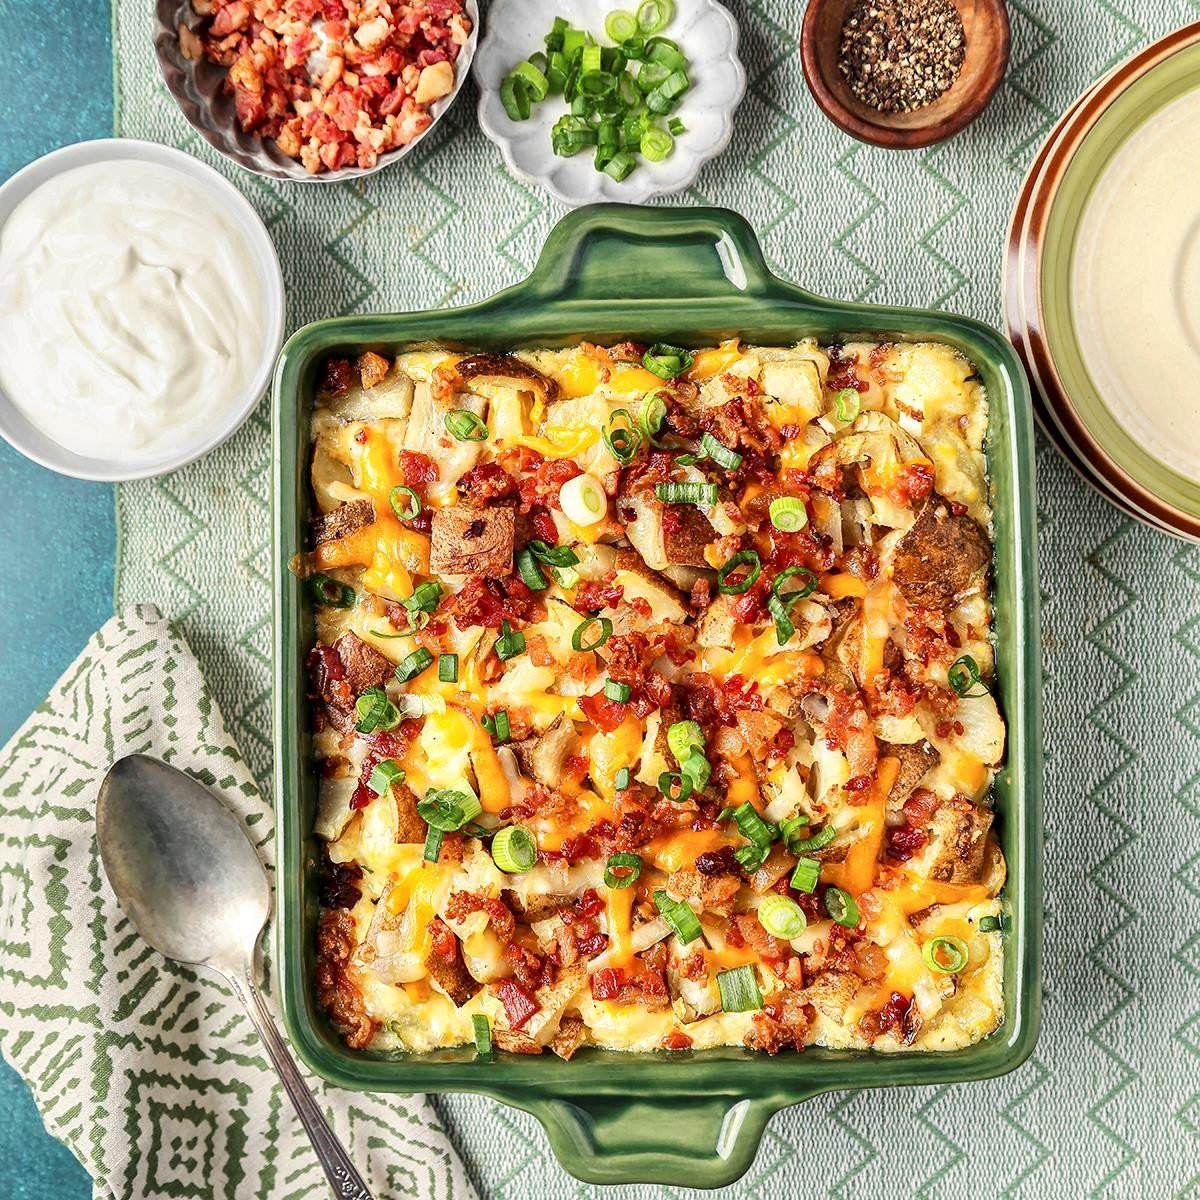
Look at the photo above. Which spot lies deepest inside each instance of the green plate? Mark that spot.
(692, 276)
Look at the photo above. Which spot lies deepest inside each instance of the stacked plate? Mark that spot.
(1102, 284)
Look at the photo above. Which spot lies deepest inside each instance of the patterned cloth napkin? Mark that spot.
(149, 1071)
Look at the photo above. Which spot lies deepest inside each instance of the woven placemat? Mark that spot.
(1110, 1103)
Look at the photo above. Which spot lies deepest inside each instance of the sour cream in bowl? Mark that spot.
(141, 310)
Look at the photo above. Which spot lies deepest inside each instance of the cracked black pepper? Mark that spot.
(900, 55)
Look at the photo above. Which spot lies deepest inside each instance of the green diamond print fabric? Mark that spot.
(150, 1071)
(1110, 1103)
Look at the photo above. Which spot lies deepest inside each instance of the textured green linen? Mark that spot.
(1110, 1103)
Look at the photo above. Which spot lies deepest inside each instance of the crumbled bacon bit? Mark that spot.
(338, 377)
(418, 469)
(676, 1040)
(339, 884)
(593, 594)
(486, 483)
(342, 98)
(490, 602)
(519, 1005)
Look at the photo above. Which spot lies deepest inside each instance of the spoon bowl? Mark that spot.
(181, 864)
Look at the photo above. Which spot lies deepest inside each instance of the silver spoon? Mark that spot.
(189, 879)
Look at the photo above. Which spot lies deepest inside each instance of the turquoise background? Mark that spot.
(54, 592)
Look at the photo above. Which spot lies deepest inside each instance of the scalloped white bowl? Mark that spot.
(706, 33)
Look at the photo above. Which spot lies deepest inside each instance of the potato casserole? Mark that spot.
(651, 698)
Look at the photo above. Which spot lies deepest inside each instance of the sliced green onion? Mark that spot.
(406, 504)
(963, 677)
(414, 664)
(567, 578)
(533, 79)
(448, 668)
(466, 426)
(622, 780)
(806, 588)
(655, 145)
(663, 98)
(781, 917)
(683, 737)
(448, 809)
(653, 15)
(618, 692)
(374, 712)
(433, 844)
(666, 361)
(497, 725)
(703, 495)
(423, 706)
(739, 989)
(697, 768)
(514, 850)
(652, 416)
(789, 827)
(840, 905)
(583, 500)
(384, 775)
(554, 39)
(483, 1035)
(475, 830)
(330, 592)
(425, 598)
(788, 514)
(806, 875)
(634, 47)
(624, 440)
(752, 826)
(743, 558)
(675, 786)
(751, 857)
(991, 925)
(846, 404)
(578, 637)
(818, 841)
(514, 95)
(630, 866)
(720, 453)
(592, 59)
(676, 126)
(554, 556)
(680, 915)
(531, 574)
(663, 50)
(945, 955)
(510, 643)
(620, 166)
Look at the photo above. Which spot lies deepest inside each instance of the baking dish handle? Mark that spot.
(692, 1140)
(608, 252)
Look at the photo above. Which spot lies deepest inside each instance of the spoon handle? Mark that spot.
(345, 1180)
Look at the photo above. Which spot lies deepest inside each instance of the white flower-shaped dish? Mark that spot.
(707, 34)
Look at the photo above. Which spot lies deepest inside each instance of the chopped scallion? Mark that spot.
(384, 774)
(448, 668)
(466, 426)
(580, 639)
(743, 558)
(781, 917)
(703, 495)
(720, 453)
(414, 664)
(963, 677)
(375, 712)
(680, 916)
(788, 514)
(629, 867)
(483, 1035)
(806, 875)
(840, 905)
(945, 955)
(514, 850)
(531, 574)
(666, 361)
(510, 643)
(616, 691)
(739, 989)
(405, 502)
(330, 592)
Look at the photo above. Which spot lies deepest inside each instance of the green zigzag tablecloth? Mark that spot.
(1110, 1103)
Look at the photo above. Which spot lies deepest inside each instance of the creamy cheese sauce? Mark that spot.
(131, 315)
(1136, 286)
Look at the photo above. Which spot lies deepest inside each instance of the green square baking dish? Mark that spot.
(691, 276)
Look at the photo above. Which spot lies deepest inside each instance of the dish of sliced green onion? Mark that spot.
(620, 98)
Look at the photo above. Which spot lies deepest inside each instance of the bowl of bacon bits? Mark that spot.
(315, 90)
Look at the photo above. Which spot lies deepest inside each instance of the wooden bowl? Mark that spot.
(988, 41)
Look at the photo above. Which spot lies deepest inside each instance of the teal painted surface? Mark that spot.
(54, 592)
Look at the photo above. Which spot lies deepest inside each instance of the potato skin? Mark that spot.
(942, 558)
(472, 541)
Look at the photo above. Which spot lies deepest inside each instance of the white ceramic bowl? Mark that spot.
(707, 34)
(22, 435)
